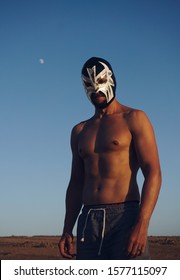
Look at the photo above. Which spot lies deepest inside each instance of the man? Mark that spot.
(108, 150)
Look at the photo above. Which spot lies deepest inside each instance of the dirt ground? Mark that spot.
(45, 248)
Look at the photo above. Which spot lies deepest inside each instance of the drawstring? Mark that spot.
(103, 230)
(103, 227)
(82, 239)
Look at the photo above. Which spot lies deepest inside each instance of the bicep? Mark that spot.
(77, 168)
(145, 144)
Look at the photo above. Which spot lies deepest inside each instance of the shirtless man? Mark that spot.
(108, 150)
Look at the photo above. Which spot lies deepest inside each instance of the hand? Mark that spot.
(137, 240)
(66, 246)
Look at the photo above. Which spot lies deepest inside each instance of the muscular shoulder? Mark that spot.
(79, 127)
(75, 133)
(135, 115)
(138, 120)
(76, 130)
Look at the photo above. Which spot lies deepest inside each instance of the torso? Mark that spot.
(110, 163)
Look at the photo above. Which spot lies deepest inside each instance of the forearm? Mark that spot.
(149, 196)
(73, 207)
(150, 192)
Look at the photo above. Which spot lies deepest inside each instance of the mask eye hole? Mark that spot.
(102, 80)
(87, 84)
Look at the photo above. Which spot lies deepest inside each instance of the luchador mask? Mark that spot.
(98, 76)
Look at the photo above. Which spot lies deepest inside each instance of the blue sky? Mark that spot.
(44, 44)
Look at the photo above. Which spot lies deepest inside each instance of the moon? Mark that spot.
(41, 61)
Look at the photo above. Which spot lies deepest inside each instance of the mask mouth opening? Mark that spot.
(97, 94)
(98, 99)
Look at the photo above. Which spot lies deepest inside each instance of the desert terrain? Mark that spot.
(45, 248)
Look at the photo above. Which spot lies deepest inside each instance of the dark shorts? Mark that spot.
(103, 231)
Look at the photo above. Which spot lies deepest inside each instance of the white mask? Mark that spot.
(99, 78)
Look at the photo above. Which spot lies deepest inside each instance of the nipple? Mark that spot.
(115, 142)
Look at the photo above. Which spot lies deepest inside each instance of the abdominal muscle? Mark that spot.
(106, 185)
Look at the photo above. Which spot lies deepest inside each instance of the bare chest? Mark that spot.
(104, 136)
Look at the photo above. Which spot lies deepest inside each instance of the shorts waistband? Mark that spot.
(112, 205)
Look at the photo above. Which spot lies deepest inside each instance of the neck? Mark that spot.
(113, 108)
